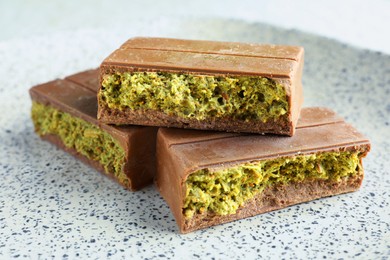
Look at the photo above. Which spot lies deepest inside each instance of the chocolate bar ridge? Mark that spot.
(88, 79)
(76, 96)
(181, 153)
(279, 64)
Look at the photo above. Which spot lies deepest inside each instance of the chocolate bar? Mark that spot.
(209, 178)
(64, 113)
(225, 86)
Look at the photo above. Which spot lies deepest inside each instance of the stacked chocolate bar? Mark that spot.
(248, 148)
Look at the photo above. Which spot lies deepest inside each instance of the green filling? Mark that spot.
(224, 191)
(82, 136)
(196, 96)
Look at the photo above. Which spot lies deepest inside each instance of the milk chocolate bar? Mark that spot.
(209, 178)
(64, 113)
(225, 86)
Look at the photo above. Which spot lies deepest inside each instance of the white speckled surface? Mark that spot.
(54, 206)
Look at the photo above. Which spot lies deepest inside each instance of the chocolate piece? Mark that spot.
(64, 113)
(209, 178)
(234, 87)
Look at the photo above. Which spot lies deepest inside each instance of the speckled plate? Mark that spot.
(51, 205)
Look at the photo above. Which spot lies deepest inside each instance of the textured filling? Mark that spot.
(223, 191)
(82, 136)
(196, 96)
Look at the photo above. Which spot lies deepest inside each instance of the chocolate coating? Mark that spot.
(182, 152)
(284, 64)
(88, 79)
(226, 48)
(79, 100)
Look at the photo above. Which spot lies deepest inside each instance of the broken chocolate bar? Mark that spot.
(64, 113)
(209, 178)
(225, 86)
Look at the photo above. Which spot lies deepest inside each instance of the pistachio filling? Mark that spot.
(196, 96)
(82, 136)
(223, 191)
